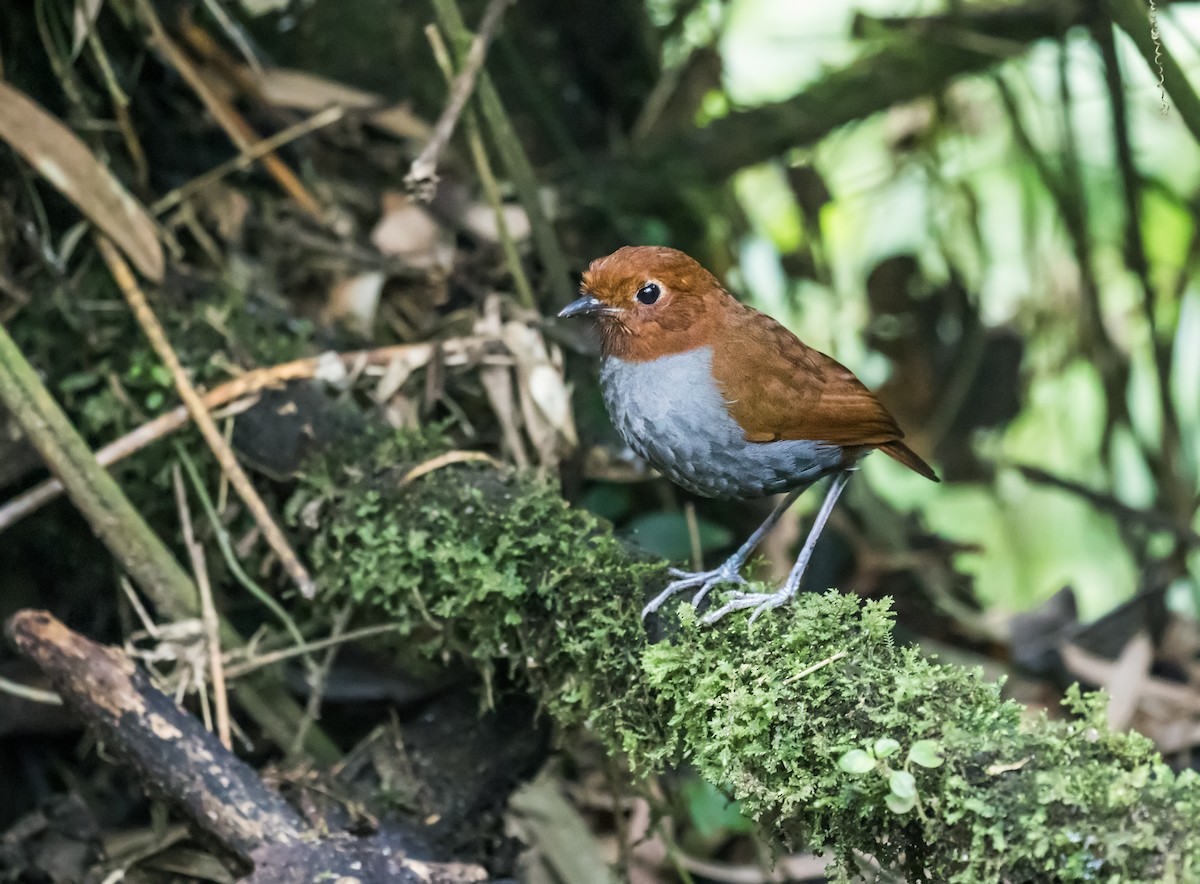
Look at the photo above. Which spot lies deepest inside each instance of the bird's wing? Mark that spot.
(788, 390)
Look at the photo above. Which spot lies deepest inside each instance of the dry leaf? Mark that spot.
(480, 221)
(355, 301)
(394, 376)
(65, 161)
(304, 91)
(1127, 680)
(225, 207)
(498, 385)
(408, 232)
(540, 379)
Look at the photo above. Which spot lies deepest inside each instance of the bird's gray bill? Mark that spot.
(584, 306)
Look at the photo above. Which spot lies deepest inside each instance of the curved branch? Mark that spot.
(825, 731)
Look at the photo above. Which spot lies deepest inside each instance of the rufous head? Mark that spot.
(650, 301)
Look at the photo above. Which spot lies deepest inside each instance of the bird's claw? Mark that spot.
(760, 601)
(705, 580)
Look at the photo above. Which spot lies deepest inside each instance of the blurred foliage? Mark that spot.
(971, 185)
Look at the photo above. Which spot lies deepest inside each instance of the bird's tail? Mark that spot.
(897, 450)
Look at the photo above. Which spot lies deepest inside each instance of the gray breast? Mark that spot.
(671, 412)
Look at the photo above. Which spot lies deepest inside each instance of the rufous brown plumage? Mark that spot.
(724, 400)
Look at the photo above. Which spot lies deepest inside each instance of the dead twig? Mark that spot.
(512, 154)
(120, 105)
(204, 421)
(234, 32)
(456, 351)
(487, 178)
(251, 664)
(32, 694)
(422, 176)
(318, 675)
(809, 670)
(225, 544)
(246, 158)
(445, 460)
(208, 610)
(227, 117)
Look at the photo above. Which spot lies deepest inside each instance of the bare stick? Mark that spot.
(204, 421)
(168, 748)
(456, 351)
(318, 675)
(225, 114)
(225, 544)
(28, 692)
(251, 664)
(249, 154)
(512, 155)
(175, 757)
(422, 176)
(445, 460)
(487, 177)
(208, 611)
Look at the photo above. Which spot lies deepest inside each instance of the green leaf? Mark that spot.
(903, 784)
(896, 804)
(82, 380)
(666, 535)
(857, 761)
(711, 810)
(885, 747)
(927, 753)
(608, 501)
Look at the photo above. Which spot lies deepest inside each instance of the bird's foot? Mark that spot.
(705, 580)
(761, 602)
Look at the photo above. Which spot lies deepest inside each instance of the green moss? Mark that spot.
(489, 565)
(103, 371)
(949, 781)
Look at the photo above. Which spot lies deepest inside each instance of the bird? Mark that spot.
(727, 403)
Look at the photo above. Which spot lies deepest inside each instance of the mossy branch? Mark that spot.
(828, 734)
(91, 488)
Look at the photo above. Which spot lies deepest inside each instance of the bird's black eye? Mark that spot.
(649, 293)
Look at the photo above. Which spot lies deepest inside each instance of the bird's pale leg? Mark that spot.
(765, 601)
(729, 570)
